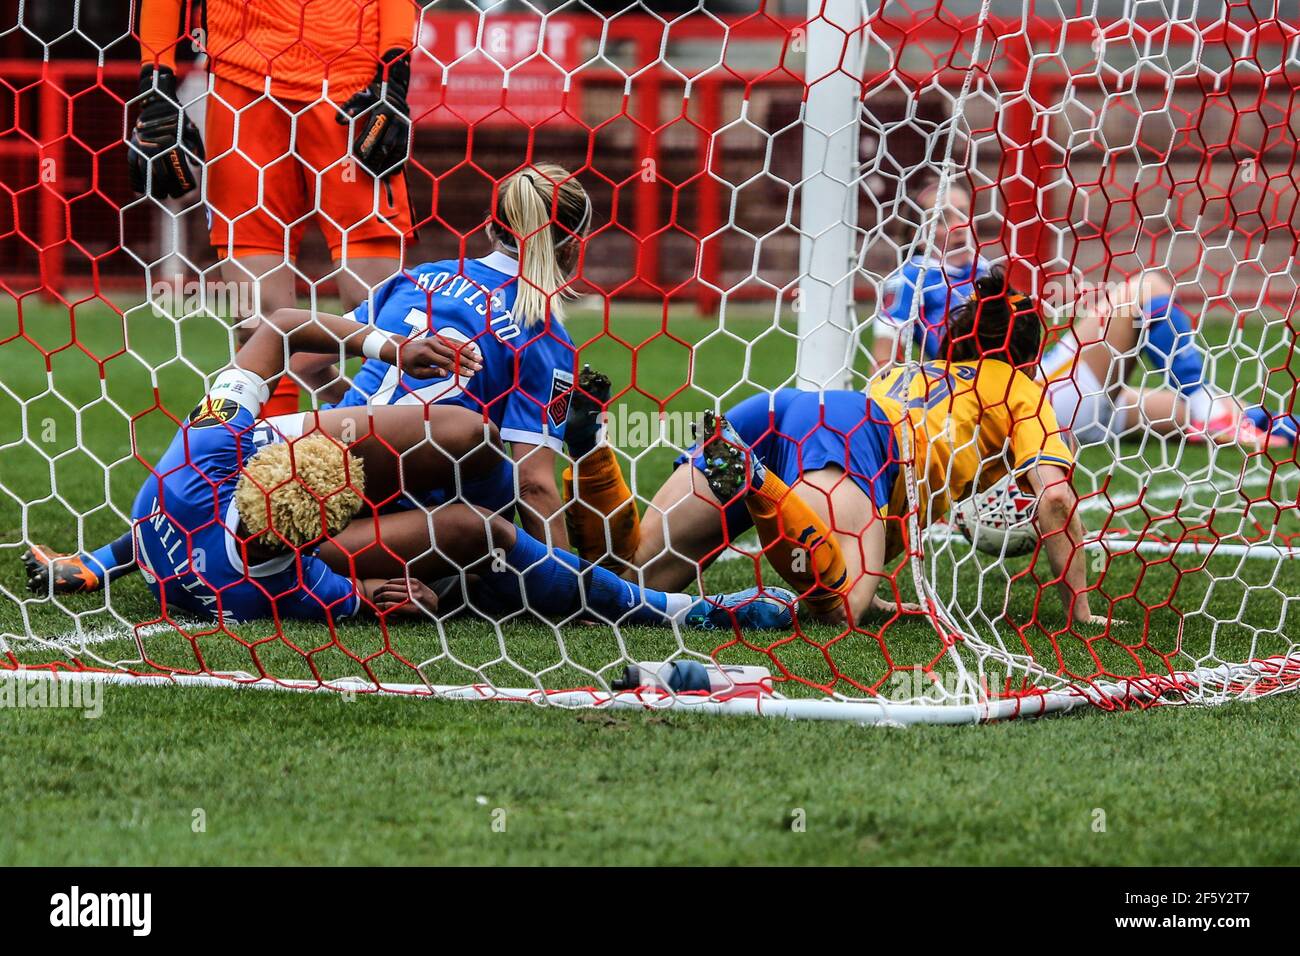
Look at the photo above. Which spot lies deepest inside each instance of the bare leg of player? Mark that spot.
(681, 532)
(843, 506)
(357, 276)
(1165, 411)
(274, 281)
(403, 543)
(1159, 410)
(1162, 411)
(1110, 353)
(1109, 350)
(683, 529)
(1108, 344)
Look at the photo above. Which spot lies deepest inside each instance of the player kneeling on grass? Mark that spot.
(235, 524)
(818, 474)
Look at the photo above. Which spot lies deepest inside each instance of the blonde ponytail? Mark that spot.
(530, 203)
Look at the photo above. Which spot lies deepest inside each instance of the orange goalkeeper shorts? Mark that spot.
(273, 166)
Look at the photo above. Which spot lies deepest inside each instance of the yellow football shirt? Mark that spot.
(971, 423)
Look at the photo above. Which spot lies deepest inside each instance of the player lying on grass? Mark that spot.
(235, 523)
(516, 330)
(818, 476)
(1086, 371)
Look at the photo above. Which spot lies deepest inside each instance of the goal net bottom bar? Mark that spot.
(1203, 686)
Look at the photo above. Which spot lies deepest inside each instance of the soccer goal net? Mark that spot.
(803, 200)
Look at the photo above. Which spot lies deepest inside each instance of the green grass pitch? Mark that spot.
(282, 778)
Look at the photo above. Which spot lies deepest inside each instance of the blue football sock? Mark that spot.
(1171, 346)
(114, 559)
(557, 584)
(1285, 425)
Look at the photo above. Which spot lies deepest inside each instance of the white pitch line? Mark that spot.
(1093, 500)
(89, 638)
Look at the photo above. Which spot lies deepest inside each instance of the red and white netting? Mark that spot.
(757, 180)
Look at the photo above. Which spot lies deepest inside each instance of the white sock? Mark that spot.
(679, 604)
(1200, 404)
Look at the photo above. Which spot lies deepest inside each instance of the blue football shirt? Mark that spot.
(944, 287)
(527, 373)
(186, 529)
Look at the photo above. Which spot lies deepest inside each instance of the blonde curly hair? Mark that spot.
(296, 493)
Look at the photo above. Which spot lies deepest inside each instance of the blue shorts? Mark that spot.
(794, 432)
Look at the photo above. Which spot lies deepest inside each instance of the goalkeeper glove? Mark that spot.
(163, 140)
(383, 140)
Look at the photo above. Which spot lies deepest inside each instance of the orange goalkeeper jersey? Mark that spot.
(308, 48)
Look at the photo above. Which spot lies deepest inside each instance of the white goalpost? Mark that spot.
(828, 193)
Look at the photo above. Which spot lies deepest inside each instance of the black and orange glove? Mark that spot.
(383, 120)
(164, 149)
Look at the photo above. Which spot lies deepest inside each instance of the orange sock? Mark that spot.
(799, 545)
(284, 400)
(603, 500)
